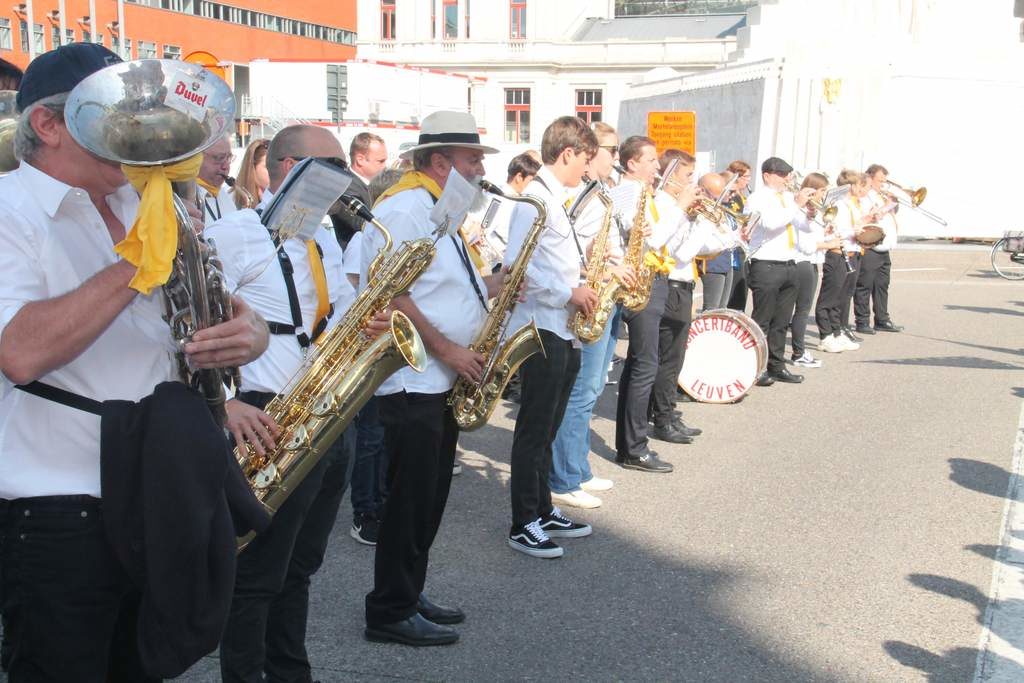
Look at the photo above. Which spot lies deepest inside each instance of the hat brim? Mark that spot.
(407, 154)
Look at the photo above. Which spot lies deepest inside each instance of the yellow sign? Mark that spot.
(673, 130)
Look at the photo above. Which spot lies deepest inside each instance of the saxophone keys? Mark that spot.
(266, 477)
(325, 406)
(299, 439)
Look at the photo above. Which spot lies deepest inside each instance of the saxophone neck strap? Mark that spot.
(303, 337)
(467, 265)
(572, 226)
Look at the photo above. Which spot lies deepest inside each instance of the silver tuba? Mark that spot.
(8, 126)
(154, 112)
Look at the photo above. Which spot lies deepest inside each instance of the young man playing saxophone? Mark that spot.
(553, 294)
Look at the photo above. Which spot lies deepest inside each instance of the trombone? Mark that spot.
(917, 196)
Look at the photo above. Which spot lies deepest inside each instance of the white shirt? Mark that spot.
(661, 231)
(888, 222)
(807, 244)
(215, 208)
(251, 266)
(443, 293)
(848, 218)
(589, 223)
(354, 253)
(688, 238)
(554, 270)
(778, 211)
(54, 240)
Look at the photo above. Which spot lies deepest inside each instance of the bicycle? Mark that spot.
(1008, 256)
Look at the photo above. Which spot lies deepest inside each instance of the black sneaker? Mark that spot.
(559, 526)
(364, 529)
(532, 540)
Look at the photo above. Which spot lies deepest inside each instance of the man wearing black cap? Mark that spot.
(773, 245)
(69, 319)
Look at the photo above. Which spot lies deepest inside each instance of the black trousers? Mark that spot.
(672, 332)
(849, 285)
(420, 436)
(547, 381)
(774, 286)
(639, 373)
(266, 630)
(738, 298)
(872, 287)
(806, 284)
(69, 609)
(826, 312)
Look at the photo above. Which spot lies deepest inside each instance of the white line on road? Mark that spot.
(1000, 653)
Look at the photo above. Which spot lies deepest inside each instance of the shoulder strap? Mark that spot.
(572, 226)
(62, 396)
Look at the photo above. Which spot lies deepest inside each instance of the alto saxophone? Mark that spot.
(635, 298)
(590, 329)
(473, 402)
(342, 373)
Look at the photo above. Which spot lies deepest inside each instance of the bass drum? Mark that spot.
(725, 354)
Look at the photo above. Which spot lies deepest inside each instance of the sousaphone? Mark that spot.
(156, 112)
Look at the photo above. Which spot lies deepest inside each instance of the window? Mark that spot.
(147, 50)
(517, 115)
(172, 52)
(387, 19)
(69, 36)
(517, 19)
(86, 36)
(5, 34)
(40, 38)
(467, 18)
(450, 9)
(588, 105)
(55, 36)
(433, 19)
(23, 33)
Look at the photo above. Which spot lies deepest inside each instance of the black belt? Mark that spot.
(762, 260)
(256, 398)
(679, 284)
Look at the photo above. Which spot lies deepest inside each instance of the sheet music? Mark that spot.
(304, 198)
(453, 205)
(626, 199)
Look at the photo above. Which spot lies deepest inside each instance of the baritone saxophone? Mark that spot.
(474, 402)
(341, 374)
(591, 328)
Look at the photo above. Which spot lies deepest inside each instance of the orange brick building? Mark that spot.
(237, 31)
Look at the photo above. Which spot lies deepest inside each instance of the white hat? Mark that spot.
(448, 129)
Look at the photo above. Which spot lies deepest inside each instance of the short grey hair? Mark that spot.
(26, 140)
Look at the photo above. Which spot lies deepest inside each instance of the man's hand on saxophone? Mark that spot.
(496, 282)
(468, 363)
(233, 343)
(625, 274)
(249, 424)
(584, 298)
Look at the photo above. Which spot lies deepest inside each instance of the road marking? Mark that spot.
(914, 270)
(1000, 657)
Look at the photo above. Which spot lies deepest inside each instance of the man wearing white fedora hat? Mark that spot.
(448, 305)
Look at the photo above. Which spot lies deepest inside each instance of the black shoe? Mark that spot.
(864, 329)
(365, 529)
(887, 326)
(683, 397)
(785, 376)
(415, 631)
(557, 525)
(670, 434)
(645, 463)
(765, 380)
(851, 336)
(681, 427)
(438, 614)
(533, 541)
(512, 394)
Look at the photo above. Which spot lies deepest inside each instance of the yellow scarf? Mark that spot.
(415, 179)
(153, 239)
(659, 261)
(208, 187)
(790, 237)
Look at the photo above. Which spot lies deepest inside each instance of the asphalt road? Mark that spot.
(841, 530)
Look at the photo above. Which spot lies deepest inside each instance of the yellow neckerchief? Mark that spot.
(789, 228)
(316, 267)
(208, 187)
(411, 180)
(657, 260)
(153, 239)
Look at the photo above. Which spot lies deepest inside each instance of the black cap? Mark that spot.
(776, 166)
(61, 70)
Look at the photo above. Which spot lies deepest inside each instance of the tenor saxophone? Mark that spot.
(635, 298)
(590, 329)
(341, 375)
(473, 402)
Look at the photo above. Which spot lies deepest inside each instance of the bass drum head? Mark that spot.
(726, 352)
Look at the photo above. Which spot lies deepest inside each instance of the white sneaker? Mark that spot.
(831, 344)
(597, 484)
(807, 361)
(846, 343)
(577, 499)
(456, 469)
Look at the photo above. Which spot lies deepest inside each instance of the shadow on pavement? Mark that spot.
(979, 476)
(1018, 392)
(970, 362)
(954, 665)
(983, 309)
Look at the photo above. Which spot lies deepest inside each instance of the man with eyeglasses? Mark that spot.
(211, 191)
(301, 289)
